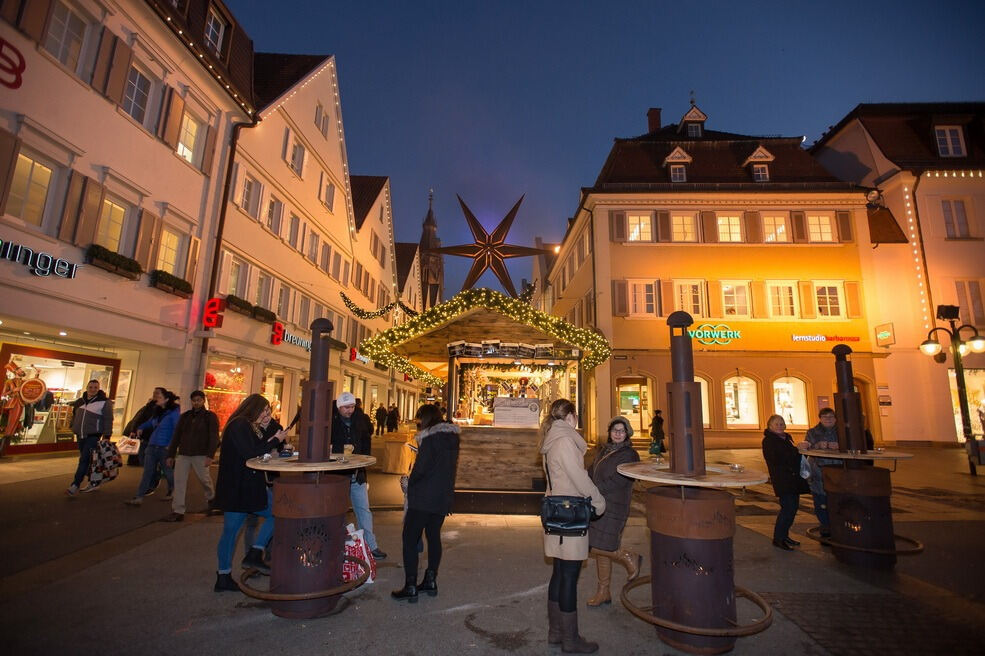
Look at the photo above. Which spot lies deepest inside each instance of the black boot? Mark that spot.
(430, 583)
(254, 560)
(225, 582)
(408, 592)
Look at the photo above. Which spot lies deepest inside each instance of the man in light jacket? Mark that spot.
(92, 419)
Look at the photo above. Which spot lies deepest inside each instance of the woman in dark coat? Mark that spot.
(783, 462)
(430, 492)
(241, 490)
(605, 533)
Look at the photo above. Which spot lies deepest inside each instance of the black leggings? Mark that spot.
(564, 584)
(416, 521)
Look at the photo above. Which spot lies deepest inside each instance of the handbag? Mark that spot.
(564, 515)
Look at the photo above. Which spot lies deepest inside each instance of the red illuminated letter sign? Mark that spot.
(12, 65)
(212, 317)
(277, 334)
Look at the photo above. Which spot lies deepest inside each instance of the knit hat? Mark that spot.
(622, 420)
(345, 398)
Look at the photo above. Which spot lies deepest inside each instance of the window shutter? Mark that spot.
(116, 79)
(666, 297)
(227, 263)
(345, 274)
(10, 145)
(104, 55)
(799, 222)
(853, 300)
(753, 227)
(92, 203)
(191, 262)
(285, 148)
(976, 311)
(760, 306)
(34, 18)
(709, 226)
(9, 10)
(715, 301)
(656, 300)
(148, 237)
(620, 298)
(70, 210)
(808, 308)
(844, 220)
(172, 122)
(209, 153)
(663, 225)
(617, 226)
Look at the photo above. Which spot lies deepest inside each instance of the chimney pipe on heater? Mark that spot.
(653, 119)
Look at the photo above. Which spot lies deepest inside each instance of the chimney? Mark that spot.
(653, 119)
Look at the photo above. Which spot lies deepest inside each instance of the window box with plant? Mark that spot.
(170, 283)
(263, 314)
(113, 262)
(237, 304)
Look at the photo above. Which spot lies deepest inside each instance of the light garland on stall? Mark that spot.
(379, 347)
(915, 247)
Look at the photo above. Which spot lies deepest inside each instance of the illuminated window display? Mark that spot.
(272, 388)
(741, 402)
(705, 401)
(974, 381)
(227, 383)
(790, 401)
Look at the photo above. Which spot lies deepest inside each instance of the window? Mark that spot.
(741, 403)
(583, 247)
(171, 252)
(345, 274)
(760, 172)
(29, 190)
(215, 31)
(678, 173)
(694, 130)
(188, 141)
(790, 401)
(275, 210)
(284, 301)
(250, 200)
(683, 227)
(783, 301)
(775, 230)
(136, 95)
(66, 33)
(234, 281)
(319, 112)
(317, 312)
(950, 140)
(321, 119)
(313, 243)
(828, 299)
(112, 218)
(297, 158)
(640, 227)
(970, 301)
(820, 227)
(328, 196)
(705, 401)
(303, 308)
(590, 308)
(689, 296)
(324, 125)
(294, 231)
(955, 219)
(735, 299)
(336, 265)
(262, 297)
(642, 298)
(326, 257)
(729, 228)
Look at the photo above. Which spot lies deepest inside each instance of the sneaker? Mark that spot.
(136, 501)
(91, 487)
(378, 554)
(150, 492)
(174, 517)
(168, 496)
(72, 490)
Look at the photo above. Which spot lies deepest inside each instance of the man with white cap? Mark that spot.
(349, 427)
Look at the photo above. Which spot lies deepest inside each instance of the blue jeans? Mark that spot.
(232, 522)
(87, 445)
(821, 509)
(359, 496)
(154, 457)
(784, 519)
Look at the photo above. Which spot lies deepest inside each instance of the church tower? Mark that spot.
(432, 264)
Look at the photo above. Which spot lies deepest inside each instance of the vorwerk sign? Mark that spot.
(709, 334)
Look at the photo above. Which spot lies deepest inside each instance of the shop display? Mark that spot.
(227, 383)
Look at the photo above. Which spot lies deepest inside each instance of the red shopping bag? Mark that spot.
(356, 546)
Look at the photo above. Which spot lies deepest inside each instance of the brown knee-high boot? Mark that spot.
(631, 560)
(604, 565)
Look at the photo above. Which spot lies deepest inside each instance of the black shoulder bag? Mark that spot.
(563, 515)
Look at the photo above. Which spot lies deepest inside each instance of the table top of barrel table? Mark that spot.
(714, 477)
(340, 463)
(873, 454)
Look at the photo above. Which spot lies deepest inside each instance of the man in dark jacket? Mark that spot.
(92, 418)
(192, 448)
(392, 419)
(380, 419)
(351, 426)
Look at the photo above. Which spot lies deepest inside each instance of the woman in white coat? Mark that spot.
(564, 459)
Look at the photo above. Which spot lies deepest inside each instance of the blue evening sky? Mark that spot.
(493, 100)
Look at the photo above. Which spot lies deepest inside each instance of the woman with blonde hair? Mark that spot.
(783, 461)
(563, 450)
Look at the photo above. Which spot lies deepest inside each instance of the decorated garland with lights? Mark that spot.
(365, 314)
(379, 347)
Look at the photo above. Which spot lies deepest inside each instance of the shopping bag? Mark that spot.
(128, 446)
(805, 467)
(106, 463)
(356, 546)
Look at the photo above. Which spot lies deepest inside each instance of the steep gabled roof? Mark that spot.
(274, 73)
(404, 252)
(365, 190)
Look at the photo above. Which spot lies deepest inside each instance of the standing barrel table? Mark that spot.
(308, 547)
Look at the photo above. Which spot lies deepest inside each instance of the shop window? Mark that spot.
(683, 227)
(272, 387)
(790, 401)
(735, 299)
(705, 401)
(729, 228)
(227, 383)
(820, 227)
(775, 229)
(975, 385)
(171, 252)
(689, 296)
(29, 189)
(66, 34)
(112, 221)
(640, 226)
(741, 402)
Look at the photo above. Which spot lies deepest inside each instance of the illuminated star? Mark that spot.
(489, 250)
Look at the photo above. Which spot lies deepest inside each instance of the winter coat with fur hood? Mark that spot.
(431, 485)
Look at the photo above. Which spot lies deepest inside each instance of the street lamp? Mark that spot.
(959, 348)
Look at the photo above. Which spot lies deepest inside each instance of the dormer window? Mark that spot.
(215, 31)
(694, 130)
(676, 163)
(678, 173)
(950, 141)
(760, 172)
(758, 163)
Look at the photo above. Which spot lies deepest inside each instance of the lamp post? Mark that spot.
(959, 348)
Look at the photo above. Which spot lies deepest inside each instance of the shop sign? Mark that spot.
(12, 65)
(355, 355)
(212, 316)
(39, 263)
(709, 334)
(885, 334)
(278, 335)
(826, 338)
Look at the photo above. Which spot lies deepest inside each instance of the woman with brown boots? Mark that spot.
(605, 533)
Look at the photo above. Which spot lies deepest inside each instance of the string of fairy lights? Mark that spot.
(376, 314)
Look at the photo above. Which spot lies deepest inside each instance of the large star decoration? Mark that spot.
(489, 250)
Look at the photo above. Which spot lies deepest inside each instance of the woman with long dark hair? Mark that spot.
(161, 428)
(564, 452)
(430, 492)
(241, 490)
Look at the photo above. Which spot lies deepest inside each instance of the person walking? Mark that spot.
(605, 534)
(657, 434)
(192, 448)
(381, 414)
(392, 419)
(349, 427)
(430, 493)
(163, 424)
(92, 420)
(823, 435)
(783, 463)
(241, 490)
(563, 450)
(143, 414)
